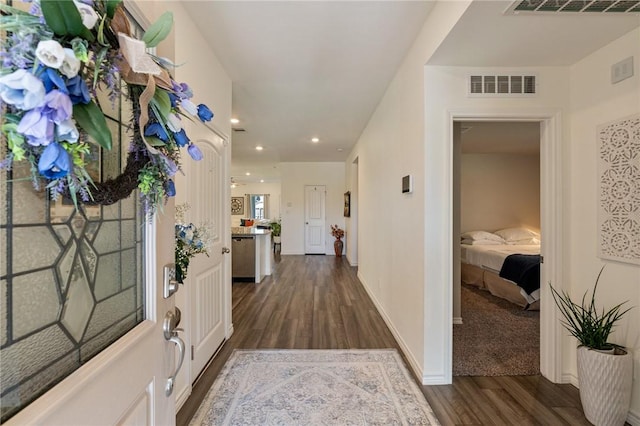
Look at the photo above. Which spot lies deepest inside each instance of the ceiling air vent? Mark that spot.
(502, 85)
(575, 6)
(239, 130)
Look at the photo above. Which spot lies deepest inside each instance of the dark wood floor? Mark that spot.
(317, 302)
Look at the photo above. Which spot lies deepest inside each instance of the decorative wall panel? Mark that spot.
(619, 190)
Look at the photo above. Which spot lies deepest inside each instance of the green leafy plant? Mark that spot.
(583, 321)
(276, 227)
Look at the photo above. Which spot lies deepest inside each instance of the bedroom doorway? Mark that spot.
(496, 211)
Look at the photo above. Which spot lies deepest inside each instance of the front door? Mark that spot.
(75, 281)
(314, 219)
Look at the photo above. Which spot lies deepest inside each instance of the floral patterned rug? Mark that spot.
(314, 387)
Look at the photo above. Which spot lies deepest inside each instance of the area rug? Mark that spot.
(314, 387)
(496, 338)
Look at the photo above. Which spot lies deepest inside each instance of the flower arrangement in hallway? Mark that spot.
(56, 58)
(190, 241)
(337, 232)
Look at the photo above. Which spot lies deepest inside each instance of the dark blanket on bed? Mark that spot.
(523, 269)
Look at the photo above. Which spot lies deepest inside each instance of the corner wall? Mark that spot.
(391, 225)
(595, 101)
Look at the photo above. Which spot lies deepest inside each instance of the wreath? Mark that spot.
(55, 59)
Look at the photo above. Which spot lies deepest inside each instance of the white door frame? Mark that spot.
(550, 223)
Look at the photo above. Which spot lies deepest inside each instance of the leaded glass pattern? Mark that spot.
(71, 281)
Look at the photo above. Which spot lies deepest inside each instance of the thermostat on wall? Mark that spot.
(407, 184)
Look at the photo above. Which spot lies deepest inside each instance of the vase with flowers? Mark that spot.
(190, 241)
(338, 245)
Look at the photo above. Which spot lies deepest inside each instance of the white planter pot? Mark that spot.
(276, 239)
(605, 385)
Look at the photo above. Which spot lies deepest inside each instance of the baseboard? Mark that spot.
(436, 379)
(182, 397)
(413, 363)
(570, 378)
(457, 320)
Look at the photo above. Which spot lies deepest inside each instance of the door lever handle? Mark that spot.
(168, 390)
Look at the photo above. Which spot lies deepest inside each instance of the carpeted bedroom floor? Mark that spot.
(497, 338)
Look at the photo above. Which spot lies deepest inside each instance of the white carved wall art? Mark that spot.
(619, 190)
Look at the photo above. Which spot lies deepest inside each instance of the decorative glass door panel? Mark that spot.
(71, 281)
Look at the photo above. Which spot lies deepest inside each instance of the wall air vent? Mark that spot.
(239, 130)
(575, 6)
(502, 85)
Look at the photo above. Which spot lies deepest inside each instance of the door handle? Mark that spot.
(170, 330)
(226, 250)
(168, 390)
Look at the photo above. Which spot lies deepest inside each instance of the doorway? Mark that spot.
(496, 179)
(438, 259)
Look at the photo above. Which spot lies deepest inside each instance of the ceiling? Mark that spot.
(304, 69)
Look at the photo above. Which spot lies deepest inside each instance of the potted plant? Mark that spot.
(604, 369)
(337, 244)
(276, 227)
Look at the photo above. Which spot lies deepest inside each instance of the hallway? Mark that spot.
(317, 302)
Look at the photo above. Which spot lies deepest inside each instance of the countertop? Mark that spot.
(238, 231)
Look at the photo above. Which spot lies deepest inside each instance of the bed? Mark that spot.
(482, 265)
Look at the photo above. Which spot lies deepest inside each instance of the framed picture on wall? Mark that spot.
(347, 204)
(237, 205)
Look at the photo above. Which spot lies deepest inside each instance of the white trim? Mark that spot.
(440, 270)
(136, 13)
(150, 265)
(457, 320)
(633, 418)
(415, 366)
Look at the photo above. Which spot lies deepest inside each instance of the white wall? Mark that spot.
(594, 101)
(391, 225)
(273, 189)
(499, 191)
(294, 177)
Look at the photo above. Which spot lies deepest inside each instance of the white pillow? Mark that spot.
(482, 242)
(515, 234)
(525, 242)
(482, 235)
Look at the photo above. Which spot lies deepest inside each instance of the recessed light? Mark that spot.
(234, 121)
(315, 140)
(261, 180)
(339, 149)
(248, 174)
(259, 148)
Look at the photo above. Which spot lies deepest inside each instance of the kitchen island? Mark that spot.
(250, 253)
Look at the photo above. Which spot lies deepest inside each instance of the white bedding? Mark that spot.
(492, 256)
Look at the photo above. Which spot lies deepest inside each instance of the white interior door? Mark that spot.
(208, 277)
(125, 383)
(314, 219)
